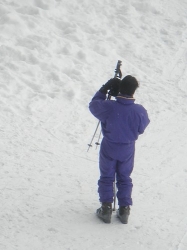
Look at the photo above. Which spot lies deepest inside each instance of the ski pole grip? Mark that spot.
(118, 70)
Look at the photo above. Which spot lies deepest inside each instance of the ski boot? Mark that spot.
(123, 214)
(105, 212)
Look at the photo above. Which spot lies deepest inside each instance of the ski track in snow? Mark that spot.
(54, 56)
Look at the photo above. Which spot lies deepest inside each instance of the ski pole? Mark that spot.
(119, 75)
(114, 190)
(118, 70)
(97, 143)
(90, 145)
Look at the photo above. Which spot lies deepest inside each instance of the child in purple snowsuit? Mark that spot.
(122, 121)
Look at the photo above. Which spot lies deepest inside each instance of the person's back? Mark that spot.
(122, 120)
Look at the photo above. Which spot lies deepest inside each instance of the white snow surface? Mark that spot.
(54, 56)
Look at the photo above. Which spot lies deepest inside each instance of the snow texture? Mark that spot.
(55, 55)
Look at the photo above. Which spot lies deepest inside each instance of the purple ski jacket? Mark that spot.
(122, 120)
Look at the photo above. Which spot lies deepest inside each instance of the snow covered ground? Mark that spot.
(54, 55)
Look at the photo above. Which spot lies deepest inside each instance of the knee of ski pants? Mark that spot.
(125, 168)
(107, 166)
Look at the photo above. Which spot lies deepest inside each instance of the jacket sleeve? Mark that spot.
(99, 106)
(144, 121)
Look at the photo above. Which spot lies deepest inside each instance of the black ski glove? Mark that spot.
(112, 85)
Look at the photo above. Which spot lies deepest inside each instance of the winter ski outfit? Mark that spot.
(122, 121)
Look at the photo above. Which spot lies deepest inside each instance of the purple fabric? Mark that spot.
(122, 121)
(120, 164)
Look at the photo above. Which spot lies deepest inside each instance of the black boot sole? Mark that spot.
(106, 217)
(124, 219)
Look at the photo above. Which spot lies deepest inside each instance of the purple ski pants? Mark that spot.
(116, 161)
